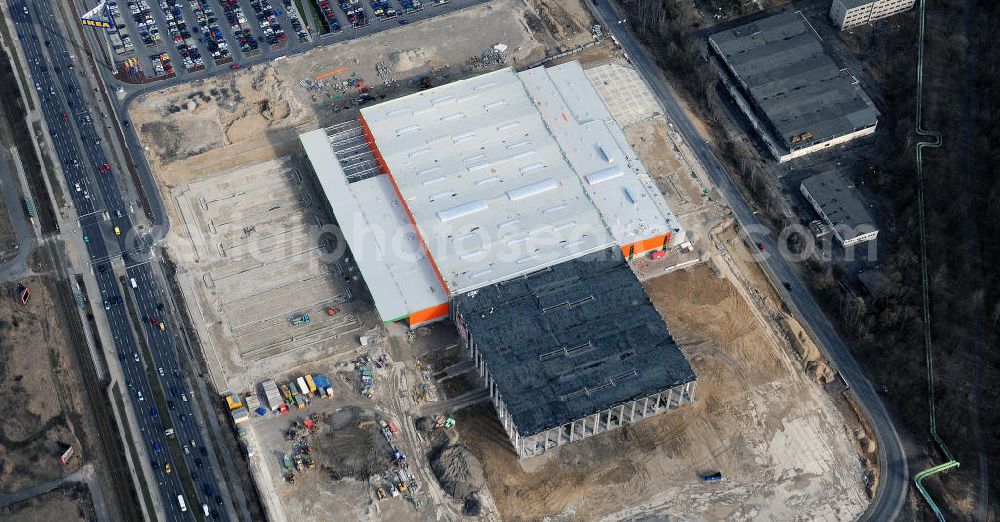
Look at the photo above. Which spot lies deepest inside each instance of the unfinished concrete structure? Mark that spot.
(572, 351)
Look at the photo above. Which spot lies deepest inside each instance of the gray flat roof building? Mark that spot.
(792, 83)
(837, 202)
(572, 350)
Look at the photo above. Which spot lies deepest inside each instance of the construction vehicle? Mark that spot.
(286, 393)
(403, 488)
(300, 319)
(366, 376)
(287, 461)
(443, 422)
(380, 491)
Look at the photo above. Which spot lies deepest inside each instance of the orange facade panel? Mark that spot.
(645, 245)
(370, 140)
(428, 314)
(385, 170)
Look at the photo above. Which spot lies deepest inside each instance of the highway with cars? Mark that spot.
(893, 467)
(114, 246)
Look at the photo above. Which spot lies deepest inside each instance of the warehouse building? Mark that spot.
(572, 351)
(838, 204)
(792, 92)
(852, 13)
(474, 182)
(511, 203)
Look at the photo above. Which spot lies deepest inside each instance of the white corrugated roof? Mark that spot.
(382, 240)
(633, 207)
(503, 174)
(488, 187)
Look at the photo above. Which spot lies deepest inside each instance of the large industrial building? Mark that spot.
(837, 202)
(792, 92)
(852, 13)
(465, 193)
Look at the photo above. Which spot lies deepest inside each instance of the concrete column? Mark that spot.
(597, 419)
(607, 423)
(572, 429)
(631, 415)
(621, 416)
(645, 407)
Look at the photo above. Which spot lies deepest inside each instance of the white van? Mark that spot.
(180, 500)
(204, 507)
(134, 285)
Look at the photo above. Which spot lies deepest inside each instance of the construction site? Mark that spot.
(419, 423)
(264, 284)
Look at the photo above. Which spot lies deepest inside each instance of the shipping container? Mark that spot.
(303, 387)
(311, 383)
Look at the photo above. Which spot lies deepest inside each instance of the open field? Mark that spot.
(42, 409)
(71, 501)
(778, 439)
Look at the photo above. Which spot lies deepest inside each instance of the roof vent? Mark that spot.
(533, 189)
(453, 213)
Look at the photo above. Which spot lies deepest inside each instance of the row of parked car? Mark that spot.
(211, 33)
(297, 26)
(267, 18)
(149, 33)
(178, 29)
(331, 19)
(120, 39)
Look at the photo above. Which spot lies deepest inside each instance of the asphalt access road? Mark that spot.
(100, 209)
(894, 471)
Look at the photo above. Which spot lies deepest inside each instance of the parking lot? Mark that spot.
(267, 288)
(167, 38)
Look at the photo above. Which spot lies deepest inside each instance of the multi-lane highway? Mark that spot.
(893, 476)
(114, 247)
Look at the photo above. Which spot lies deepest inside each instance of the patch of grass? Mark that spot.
(50, 167)
(8, 240)
(12, 48)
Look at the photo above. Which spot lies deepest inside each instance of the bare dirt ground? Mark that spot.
(69, 502)
(41, 407)
(252, 257)
(781, 444)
